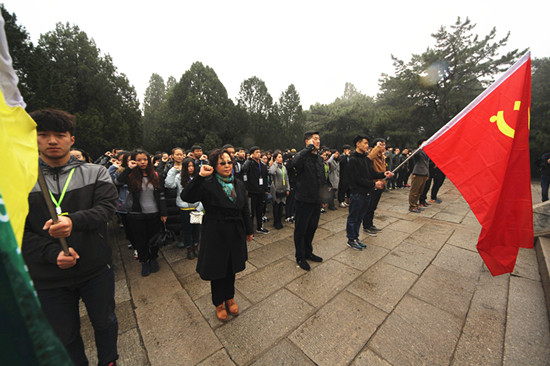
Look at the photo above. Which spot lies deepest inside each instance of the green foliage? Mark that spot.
(198, 107)
(539, 138)
(67, 71)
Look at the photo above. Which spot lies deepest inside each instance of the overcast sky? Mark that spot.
(316, 45)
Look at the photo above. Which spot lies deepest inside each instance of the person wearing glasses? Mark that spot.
(226, 228)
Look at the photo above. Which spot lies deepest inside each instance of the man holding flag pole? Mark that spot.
(484, 151)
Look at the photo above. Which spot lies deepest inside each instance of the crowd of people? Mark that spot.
(209, 200)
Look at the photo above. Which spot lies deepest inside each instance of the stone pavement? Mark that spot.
(419, 294)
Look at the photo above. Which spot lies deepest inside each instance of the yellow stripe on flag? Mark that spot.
(19, 162)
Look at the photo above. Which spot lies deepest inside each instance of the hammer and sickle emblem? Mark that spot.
(501, 123)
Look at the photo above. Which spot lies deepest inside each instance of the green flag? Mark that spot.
(26, 337)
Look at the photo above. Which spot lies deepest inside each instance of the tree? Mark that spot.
(437, 84)
(198, 110)
(78, 79)
(155, 97)
(539, 137)
(291, 116)
(255, 99)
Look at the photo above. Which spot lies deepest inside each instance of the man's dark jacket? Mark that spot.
(311, 183)
(90, 202)
(361, 174)
(251, 169)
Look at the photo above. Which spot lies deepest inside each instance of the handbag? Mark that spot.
(195, 217)
(162, 238)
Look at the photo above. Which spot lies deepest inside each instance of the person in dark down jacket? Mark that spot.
(226, 228)
(85, 197)
(361, 185)
(311, 190)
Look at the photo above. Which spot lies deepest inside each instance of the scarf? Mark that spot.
(227, 185)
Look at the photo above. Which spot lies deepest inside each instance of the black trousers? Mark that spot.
(257, 207)
(224, 288)
(305, 225)
(143, 227)
(368, 220)
(277, 214)
(60, 305)
(439, 178)
(343, 191)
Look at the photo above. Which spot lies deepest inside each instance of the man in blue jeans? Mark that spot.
(361, 184)
(85, 197)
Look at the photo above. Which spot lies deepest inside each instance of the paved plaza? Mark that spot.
(419, 294)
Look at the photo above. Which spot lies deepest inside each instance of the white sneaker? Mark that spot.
(343, 204)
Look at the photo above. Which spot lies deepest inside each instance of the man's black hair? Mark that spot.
(196, 147)
(252, 149)
(377, 140)
(358, 138)
(309, 134)
(239, 148)
(346, 146)
(228, 146)
(419, 142)
(50, 119)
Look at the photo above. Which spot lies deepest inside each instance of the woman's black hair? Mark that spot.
(184, 173)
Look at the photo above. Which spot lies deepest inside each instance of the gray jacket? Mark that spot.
(173, 180)
(421, 164)
(278, 183)
(333, 172)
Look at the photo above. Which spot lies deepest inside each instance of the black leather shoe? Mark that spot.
(303, 264)
(315, 258)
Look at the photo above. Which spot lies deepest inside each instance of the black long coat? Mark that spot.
(224, 228)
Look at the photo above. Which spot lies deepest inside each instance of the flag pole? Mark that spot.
(404, 161)
(51, 209)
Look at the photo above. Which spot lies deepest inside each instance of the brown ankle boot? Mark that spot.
(221, 313)
(233, 307)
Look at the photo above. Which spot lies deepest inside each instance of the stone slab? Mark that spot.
(383, 285)
(464, 238)
(172, 253)
(542, 248)
(364, 259)
(526, 264)
(130, 350)
(271, 252)
(527, 340)
(330, 246)
(417, 333)
(405, 226)
(462, 261)
(208, 311)
(482, 339)
(265, 281)
(194, 285)
(220, 358)
(174, 331)
(369, 358)
(431, 236)
(345, 317)
(259, 328)
(541, 218)
(323, 282)
(284, 353)
(453, 294)
(410, 257)
(387, 238)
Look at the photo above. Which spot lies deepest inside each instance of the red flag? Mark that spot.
(484, 151)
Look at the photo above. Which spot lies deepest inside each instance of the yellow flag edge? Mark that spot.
(19, 164)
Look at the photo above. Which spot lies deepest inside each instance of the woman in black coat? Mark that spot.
(226, 228)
